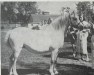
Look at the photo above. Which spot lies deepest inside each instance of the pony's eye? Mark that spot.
(74, 18)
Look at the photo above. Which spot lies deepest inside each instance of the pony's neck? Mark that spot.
(60, 24)
(56, 23)
(66, 21)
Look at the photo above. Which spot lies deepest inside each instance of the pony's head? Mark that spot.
(64, 20)
(74, 18)
(71, 18)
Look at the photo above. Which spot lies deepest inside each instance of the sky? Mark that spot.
(54, 7)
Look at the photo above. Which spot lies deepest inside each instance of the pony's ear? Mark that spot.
(68, 9)
(72, 14)
(62, 11)
(63, 8)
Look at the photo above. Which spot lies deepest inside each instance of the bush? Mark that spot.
(2, 27)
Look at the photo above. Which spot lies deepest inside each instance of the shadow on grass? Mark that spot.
(33, 71)
(30, 69)
(71, 69)
(68, 55)
(42, 69)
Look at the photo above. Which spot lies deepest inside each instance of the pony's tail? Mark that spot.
(7, 37)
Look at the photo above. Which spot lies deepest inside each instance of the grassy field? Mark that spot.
(33, 64)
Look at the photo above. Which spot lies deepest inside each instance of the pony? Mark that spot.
(39, 41)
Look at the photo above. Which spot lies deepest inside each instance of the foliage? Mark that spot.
(84, 9)
(9, 10)
(28, 6)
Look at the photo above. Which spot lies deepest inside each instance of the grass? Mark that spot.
(33, 64)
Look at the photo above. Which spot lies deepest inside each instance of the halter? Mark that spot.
(71, 24)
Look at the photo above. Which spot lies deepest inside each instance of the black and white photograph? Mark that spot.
(47, 37)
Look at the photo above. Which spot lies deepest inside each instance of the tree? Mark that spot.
(6, 10)
(9, 10)
(30, 7)
(83, 9)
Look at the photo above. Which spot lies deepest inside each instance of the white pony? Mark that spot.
(39, 41)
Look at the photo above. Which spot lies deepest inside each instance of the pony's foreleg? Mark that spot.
(13, 60)
(74, 50)
(87, 57)
(53, 69)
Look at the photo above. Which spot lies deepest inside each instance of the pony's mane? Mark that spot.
(60, 22)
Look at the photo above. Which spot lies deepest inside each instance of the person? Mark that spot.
(72, 35)
(82, 39)
(49, 21)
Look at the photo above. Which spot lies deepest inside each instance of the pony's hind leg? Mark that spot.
(13, 60)
(10, 64)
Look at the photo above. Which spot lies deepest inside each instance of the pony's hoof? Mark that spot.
(56, 72)
(87, 60)
(74, 55)
(52, 73)
(92, 67)
(13, 74)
